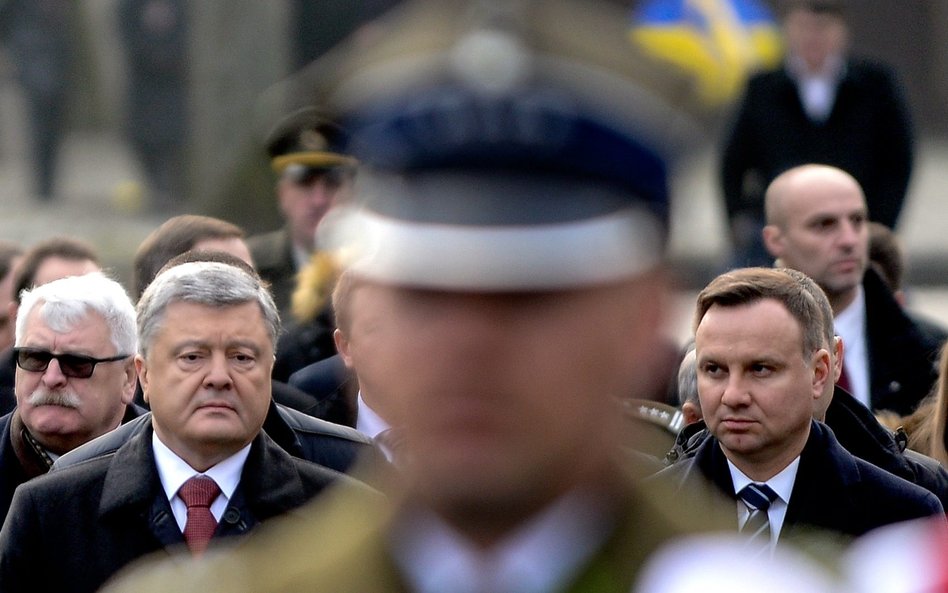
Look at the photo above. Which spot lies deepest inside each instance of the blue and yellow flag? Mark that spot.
(718, 41)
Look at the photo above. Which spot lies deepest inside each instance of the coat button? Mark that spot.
(231, 516)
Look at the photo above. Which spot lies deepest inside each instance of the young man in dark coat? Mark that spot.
(762, 369)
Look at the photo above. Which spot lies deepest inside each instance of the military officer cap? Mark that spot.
(306, 140)
(504, 146)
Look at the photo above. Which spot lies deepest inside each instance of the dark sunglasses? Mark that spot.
(71, 365)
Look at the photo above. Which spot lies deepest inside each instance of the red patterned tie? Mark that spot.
(198, 493)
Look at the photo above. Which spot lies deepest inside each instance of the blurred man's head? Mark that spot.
(504, 251)
(10, 256)
(816, 223)
(75, 338)
(312, 173)
(186, 233)
(887, 258)
(53, 259)
(815, 31)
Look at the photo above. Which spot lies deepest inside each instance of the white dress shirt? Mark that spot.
(367, 421)
(817, 90)
(850, 325)
(781, 483)
(545, 554)
(174, 471)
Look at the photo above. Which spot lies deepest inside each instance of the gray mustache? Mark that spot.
(45, 397)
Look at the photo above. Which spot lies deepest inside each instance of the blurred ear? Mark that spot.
(342, 347)
(691, 411)
(773, 240)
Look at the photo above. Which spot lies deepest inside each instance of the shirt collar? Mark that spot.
(174, 471)
(368, 422)
(849, 319)
(542, 555)
(782, 483)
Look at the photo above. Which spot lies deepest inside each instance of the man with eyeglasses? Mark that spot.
(312, 176)
(75, 376)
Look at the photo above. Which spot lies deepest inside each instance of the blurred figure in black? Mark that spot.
(38, 34)
(822, 105)
(155, 34)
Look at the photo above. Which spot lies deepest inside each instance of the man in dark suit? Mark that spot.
(853, 425)
(821, 106)
(290, 422)
(817, 223)
(207, 332)
(75, 376)
(762, 369)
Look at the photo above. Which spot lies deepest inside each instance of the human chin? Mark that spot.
(51, 419)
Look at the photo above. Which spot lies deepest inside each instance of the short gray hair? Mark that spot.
(68, 301)
(688, 377)
(208, 283)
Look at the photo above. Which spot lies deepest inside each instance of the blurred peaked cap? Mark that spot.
(506, 145)
(307, 137)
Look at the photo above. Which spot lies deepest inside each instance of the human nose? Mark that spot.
(218, 373)
(320, 191)
(849, 234)
(736, 392)
(53, 375)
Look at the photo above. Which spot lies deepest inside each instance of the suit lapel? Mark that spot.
(270, 485)
(132, 491)
(820, 496)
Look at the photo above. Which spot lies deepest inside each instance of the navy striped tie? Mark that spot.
(757, 498)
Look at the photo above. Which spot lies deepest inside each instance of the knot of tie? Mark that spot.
(198, 493)
(757, 497)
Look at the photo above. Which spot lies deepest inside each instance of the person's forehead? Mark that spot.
(232, 245)
(802, 15)
(184, 317)
(722, 317)
(90, 329)
(56, 267)
(812, 197)
(184, 308)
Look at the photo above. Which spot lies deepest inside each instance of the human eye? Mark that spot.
(760, 369)
(824, 224)
(712, 369)
(190, 358)
(243, 359)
